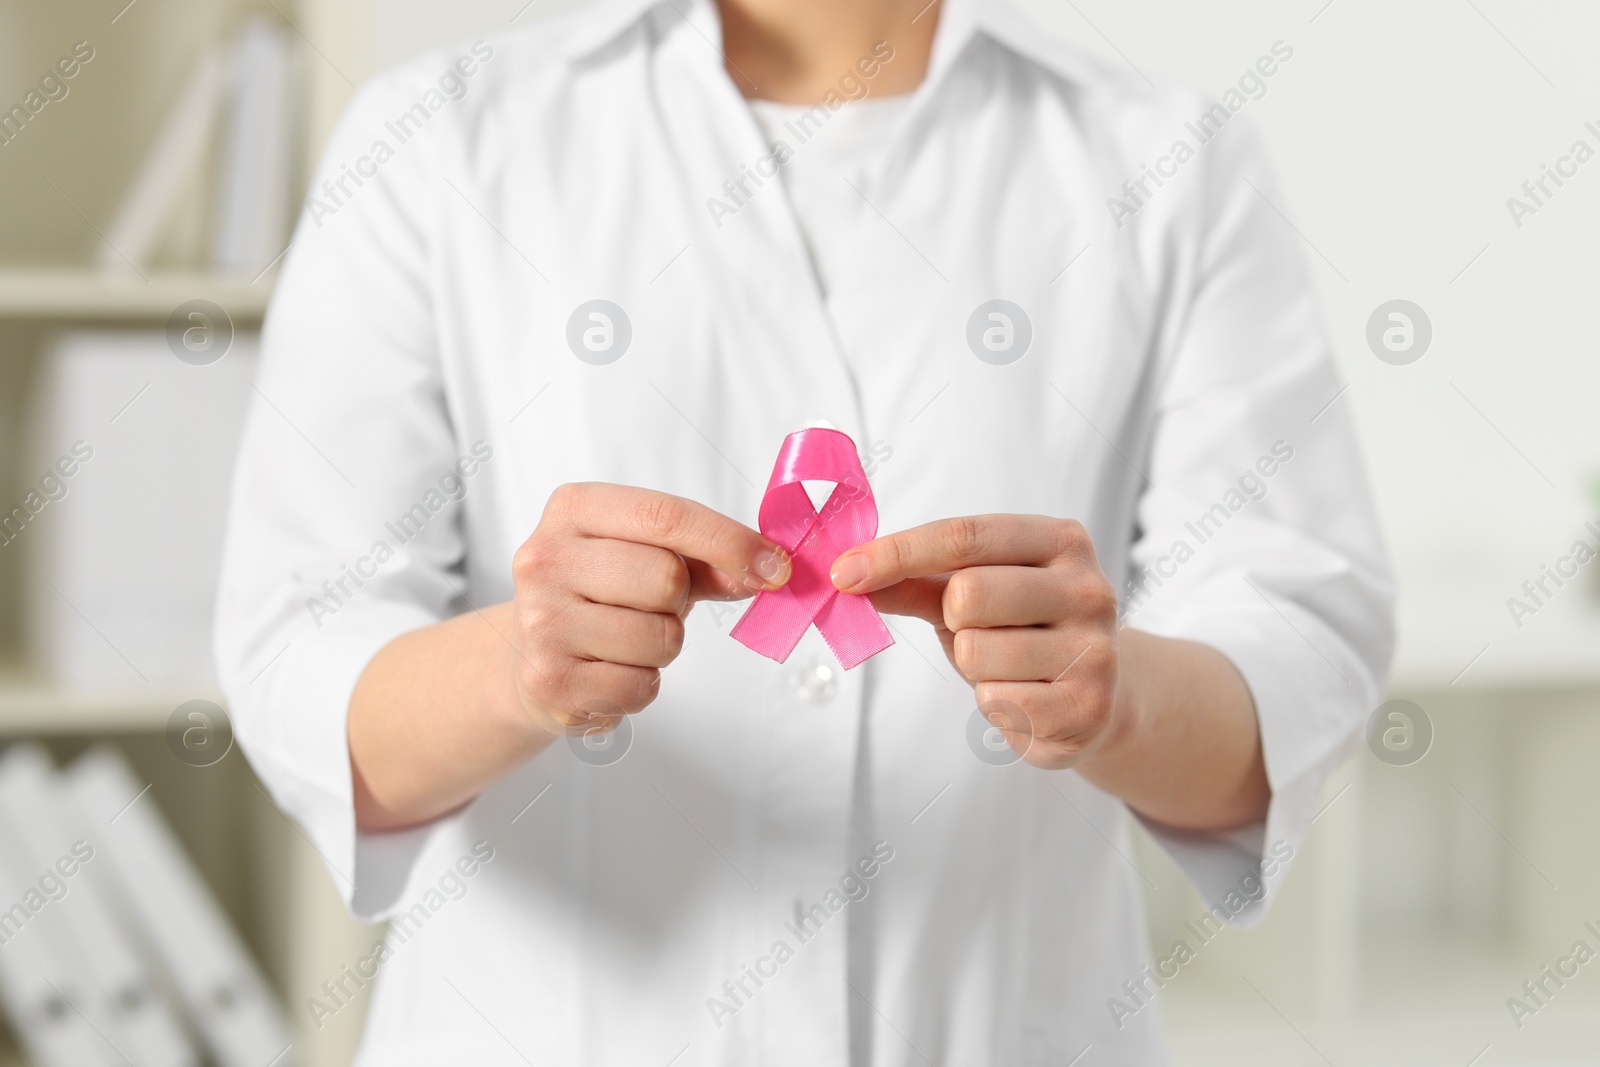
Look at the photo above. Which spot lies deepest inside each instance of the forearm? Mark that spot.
(602, 587)
(1186, 751)
(434, 720)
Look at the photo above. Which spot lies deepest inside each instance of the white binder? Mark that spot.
(256, 172)
(49, 1007)
(79, 927)
(146, 416)
(223, 991)
(170, 163)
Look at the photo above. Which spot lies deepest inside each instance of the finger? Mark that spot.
(599, 692)
(688, 528)
(952, 544)
(646, 578)
(1006, 596)
(630, 575)
(1015, 654)
(1005, 715)
(1068, 721)
(622, 635)
(920, 598)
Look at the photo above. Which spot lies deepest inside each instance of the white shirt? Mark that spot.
(826, 157)
(1174, 395)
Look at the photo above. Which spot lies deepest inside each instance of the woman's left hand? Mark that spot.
(1024, 613)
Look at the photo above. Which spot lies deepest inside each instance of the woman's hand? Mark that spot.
(1024, 613)
(1027, 616)
(602, 588)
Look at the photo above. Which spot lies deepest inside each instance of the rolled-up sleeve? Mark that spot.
(340, 536)
(1257, 534)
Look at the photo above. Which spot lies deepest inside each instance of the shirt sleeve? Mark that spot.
(344, 526)
(1256, 531)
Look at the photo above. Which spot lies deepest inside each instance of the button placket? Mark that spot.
(805, 835)
(816, 681)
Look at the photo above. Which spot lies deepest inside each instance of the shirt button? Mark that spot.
(816, 683)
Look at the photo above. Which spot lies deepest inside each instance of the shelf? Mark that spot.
(30, 705)
(41, 293)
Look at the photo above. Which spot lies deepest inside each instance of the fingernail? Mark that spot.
(849, 571)
(769, 571)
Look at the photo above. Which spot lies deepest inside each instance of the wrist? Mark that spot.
(509, 703)
(1129, 706)
(534, 728)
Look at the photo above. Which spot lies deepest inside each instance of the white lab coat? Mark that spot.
(424, 313)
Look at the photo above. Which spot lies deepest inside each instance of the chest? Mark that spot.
(640, 306)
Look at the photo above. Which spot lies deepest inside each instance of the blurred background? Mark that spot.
(152, 155)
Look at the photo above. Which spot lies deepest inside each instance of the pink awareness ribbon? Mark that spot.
(777, 620)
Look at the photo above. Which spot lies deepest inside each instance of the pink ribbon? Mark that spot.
(778, 619)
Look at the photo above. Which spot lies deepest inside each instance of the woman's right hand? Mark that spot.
(602, 588)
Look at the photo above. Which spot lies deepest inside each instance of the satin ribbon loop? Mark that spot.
(814, 538)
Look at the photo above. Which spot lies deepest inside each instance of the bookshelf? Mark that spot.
(61, 182)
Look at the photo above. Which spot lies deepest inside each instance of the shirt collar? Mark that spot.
(1002, 22)
(606, 20)
(959, 22)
